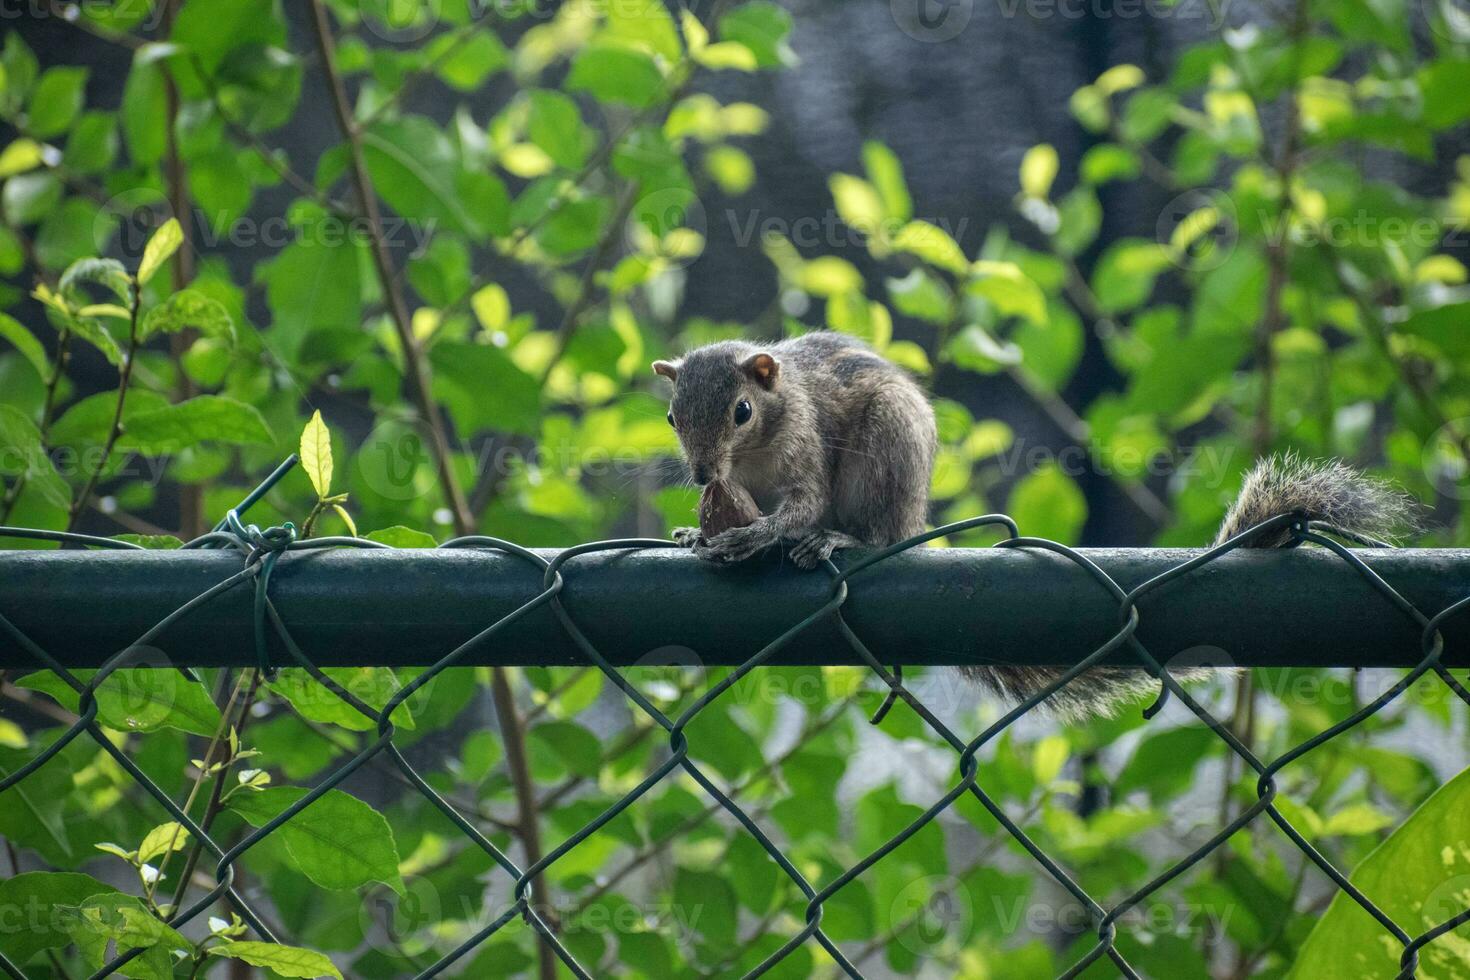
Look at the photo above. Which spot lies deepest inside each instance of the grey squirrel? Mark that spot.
(836, 445)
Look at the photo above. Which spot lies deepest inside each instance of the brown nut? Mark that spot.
(723, 506)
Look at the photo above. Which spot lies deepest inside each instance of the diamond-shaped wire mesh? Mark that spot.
(261, 549)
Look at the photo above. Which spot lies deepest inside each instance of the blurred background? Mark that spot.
(1130, 247)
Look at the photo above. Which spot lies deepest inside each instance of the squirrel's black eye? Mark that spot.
(742, 412)
(670, 417)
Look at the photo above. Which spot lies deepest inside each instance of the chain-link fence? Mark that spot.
(262, 549)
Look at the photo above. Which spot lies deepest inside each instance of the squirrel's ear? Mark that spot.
(668, 369)
(763, 368)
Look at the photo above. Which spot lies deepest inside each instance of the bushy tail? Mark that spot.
(1323, 491)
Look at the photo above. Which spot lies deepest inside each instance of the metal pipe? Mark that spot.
(1303, 608)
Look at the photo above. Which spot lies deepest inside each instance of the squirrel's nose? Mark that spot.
(701, 474)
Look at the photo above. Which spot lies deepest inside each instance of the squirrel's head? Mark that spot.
(727, 403)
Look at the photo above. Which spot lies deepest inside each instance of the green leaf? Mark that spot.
(41, 891)
(40, 819)
(316, 455)
(618, 75)
(1009, 290)
(163, 839)
(858, 202)
(886, 173)
(19, 156)
(23, 340)
(206, 418)
(24, 453)
(762, 27)
(374, 686)
(644, 24)
(921, 294)
(145, 108)
(932, 244)
(463, 373)
(313, 285)
(164, 243)
(346, 518)
(339, 842)
(1418, 877)
(1125, 273)
(577, 750)
(286, 961)
(471, 62)
(399, 536)
(89, 420)
(1079, 217)
(1444, 84)
(215, 30)
(188, 309)
(92, 146)
(1038, 170)
(30, 197)
(1107, 162)
(123, 922)
(556, 126)
(1048, 504)
(139, 699)
(56, 100)
(415, 167)
(975, 349)
(108, 273)
(492, 307)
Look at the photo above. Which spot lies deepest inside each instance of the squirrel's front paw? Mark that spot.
(736, 544)
(685, 537)
(814, 549)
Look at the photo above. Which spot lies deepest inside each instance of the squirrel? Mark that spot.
(836, 445)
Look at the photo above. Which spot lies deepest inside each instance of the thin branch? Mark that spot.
(463, 34)
(248, 682)
(570, 320)
(416, 364)
(125, 375)
(266, 153)
(512, 734)
(814, 727)
(1382, 336)
(1076, 429)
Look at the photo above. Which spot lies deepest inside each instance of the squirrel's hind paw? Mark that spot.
(685, 537)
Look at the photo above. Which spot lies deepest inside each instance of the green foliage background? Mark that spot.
(1292, 299)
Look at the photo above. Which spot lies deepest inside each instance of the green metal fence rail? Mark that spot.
(256, 592)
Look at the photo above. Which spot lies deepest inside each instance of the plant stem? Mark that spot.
(567, 329)
(511, 731)
(191, 495)
(125, 376)
(417, 367)
(250, 680)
